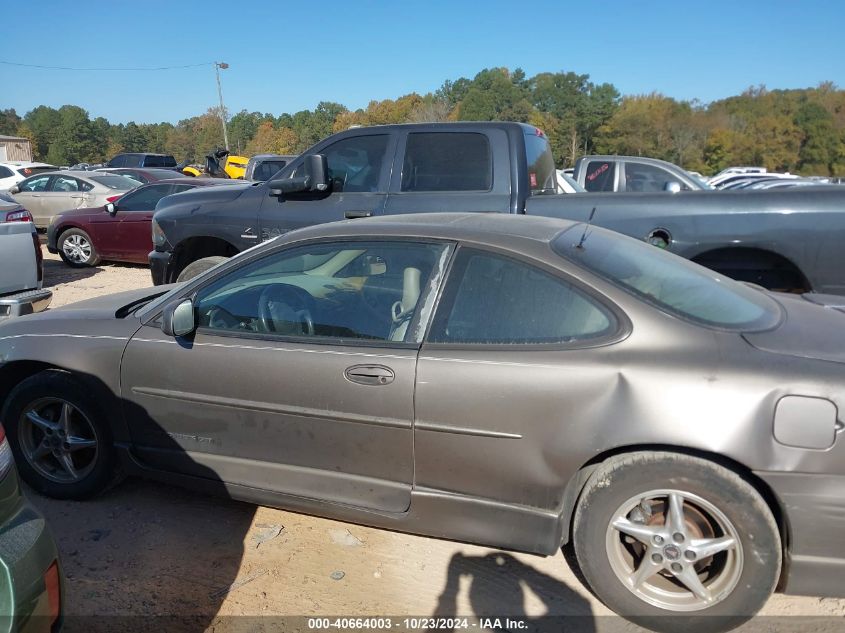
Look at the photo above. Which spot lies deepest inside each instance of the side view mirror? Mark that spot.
(14, 189)
(672, 187)
(177, 318)
(314, 178)
(111, 209)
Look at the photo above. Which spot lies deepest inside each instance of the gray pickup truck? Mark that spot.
(21, 271)
(634, 173)
(784, 240)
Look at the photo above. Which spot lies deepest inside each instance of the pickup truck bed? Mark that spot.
(20, 267)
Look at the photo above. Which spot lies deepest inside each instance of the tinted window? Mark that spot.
(669, 282)
(144, 199)
(268, 169)
(600, 176)
(159, 161)
(5, 172)
(355, 163)
(541, 164)
(351, 290)
(121, 183)
(117, 161)
(38, 183)
(439, 161)
(65, 183)
(496, 300)
(648, 178)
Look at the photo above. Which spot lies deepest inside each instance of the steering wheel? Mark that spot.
(282, 309)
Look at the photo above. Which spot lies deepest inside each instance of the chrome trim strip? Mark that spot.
(252, 405)
(465, 430)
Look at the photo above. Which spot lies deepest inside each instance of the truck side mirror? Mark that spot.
(314, 178)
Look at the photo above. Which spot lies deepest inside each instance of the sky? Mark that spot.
(289, 56)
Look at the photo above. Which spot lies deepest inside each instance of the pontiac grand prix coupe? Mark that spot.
(526, 383)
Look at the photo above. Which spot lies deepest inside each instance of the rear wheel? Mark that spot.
(77, 249)
(198, 267)
(60, 438)
(662, 537)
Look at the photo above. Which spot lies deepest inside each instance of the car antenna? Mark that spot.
(586, 228)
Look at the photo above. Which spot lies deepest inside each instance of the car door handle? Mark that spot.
(369, 374)
(354, 215)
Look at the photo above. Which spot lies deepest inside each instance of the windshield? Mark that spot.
(121, 183)
(669, 282)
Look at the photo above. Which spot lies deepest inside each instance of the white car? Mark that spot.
(567, 184)
(12, 172)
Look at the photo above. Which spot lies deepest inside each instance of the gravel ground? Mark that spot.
(148, 549)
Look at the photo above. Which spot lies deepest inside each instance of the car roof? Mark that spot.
(198, 181)
(26, 163)
(493, 229)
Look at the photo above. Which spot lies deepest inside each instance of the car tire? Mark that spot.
(198, 267)
(76, 248)
(50, 418)
(649, 584)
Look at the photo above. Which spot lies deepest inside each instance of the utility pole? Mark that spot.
(217, 67)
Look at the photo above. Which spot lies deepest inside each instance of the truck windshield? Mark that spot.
(541, 164)
(668, 282)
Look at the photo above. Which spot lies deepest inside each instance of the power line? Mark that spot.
(104, 69)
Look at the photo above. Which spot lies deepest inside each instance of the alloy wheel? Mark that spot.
(58, 440)
(77, 249)
(674, 550)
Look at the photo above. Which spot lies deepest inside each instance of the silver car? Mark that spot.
(48, 194)
(519, 382)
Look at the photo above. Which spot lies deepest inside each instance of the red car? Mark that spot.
(119, 231)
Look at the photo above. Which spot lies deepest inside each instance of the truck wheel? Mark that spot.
(663, 537)
(198, 267)
(60, 438)
(77, 249)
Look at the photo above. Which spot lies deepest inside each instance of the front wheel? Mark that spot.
(76, 248)
(60, 437)
(198, 267)
(661, 537)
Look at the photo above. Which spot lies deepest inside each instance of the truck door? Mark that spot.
(455, 170)
(359, 168)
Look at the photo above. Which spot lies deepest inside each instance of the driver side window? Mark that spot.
(354, 290)
(355, 163)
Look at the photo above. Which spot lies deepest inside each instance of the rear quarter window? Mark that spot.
(601, 176)
(447, 161)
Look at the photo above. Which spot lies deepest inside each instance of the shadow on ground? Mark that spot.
(499, 586)
(123, 564)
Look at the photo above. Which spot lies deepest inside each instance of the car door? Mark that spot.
(7, 178)
(451, 171)
(300, 376)
(359, 169)
(135, 210)
(516, 351)
(118, 236)
(30, 195)
(63, 193)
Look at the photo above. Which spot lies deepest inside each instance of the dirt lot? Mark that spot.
(149, 549)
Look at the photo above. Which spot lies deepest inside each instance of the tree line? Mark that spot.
(801, 130)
